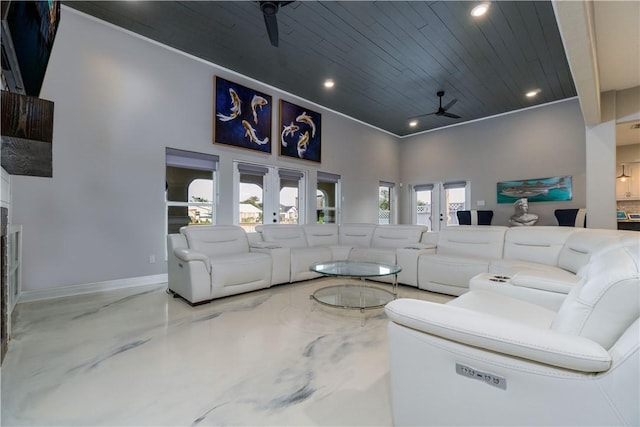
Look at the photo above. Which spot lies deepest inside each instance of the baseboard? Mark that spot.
(110, 285)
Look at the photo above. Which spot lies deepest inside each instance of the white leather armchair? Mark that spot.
(487, 358)
(208, 262)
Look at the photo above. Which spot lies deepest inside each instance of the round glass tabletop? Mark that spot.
(355, 296)
(348, 268)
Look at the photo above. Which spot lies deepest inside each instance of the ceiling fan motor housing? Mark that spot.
(269, 8)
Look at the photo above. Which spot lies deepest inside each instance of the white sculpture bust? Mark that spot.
(522, 215)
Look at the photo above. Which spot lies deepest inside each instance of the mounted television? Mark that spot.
(28, 31)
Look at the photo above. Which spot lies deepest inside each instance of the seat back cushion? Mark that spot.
(287, 235)
(582, 244)
(472, 240)
(357, 235)
(474, 217)
(396, 236)
(215, 240)
(536, 244)
(321, 234)
(602, 307)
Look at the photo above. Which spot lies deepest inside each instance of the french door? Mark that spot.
(436, 205)
(268, 195)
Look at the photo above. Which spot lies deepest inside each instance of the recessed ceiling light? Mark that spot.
(532, 93)
(480, 9)
(329, 83)
(413, 123)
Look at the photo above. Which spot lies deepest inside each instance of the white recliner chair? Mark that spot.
(212, 261)
(489, 359)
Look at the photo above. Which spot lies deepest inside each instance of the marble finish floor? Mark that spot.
(137, 357)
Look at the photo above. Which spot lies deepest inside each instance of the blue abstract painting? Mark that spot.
(242, 116)
(300, 132)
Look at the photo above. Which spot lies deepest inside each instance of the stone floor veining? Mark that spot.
(138, 357)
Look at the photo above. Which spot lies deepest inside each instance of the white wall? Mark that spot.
(119, 101)
(535, 143)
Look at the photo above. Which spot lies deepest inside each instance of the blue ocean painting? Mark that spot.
(552, 189)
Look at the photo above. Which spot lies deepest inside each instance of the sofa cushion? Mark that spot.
(604, 305)
(536, 244)
(321, 234)
(216, 240)
(303, 258)
(288, 236)
(503, 306)
(452, 270)
(474, 241)
(582, 244)
(557, 280)
(383, 255)
(356, 234)
(510, 267)
(396, 236)
(240, 269)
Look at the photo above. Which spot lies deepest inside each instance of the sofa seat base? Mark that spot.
(449, 274)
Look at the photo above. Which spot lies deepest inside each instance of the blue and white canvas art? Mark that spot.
(300, 132)
(242, 116)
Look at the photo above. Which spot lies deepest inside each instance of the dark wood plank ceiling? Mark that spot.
(388, 58)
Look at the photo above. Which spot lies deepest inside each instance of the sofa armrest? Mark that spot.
(188, 255)
(265, 245)
(496, 334)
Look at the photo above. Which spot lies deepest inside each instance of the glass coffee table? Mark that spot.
(354, 296)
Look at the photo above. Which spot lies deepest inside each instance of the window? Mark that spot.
(189, 188)
(386, 202)
(328, 198)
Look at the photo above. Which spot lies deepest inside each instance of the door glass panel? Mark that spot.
(454, 201)
(424, 207)
(289, 201)
(251, 201)
(384, 204)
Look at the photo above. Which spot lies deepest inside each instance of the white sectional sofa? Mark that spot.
(295, 247)
(540, 264)
(487, 358)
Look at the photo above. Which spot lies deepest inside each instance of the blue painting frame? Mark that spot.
(553, 189)
(300, 132)
(242, 116)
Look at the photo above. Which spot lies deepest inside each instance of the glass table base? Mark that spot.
(353, 297)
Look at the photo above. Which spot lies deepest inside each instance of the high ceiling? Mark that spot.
(388, 58)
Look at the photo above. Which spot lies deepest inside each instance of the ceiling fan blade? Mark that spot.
(450, 104)
(422, 115)
(272, 28)
(453, 116)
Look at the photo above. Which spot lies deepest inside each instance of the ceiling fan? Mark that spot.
(442, 111)
(269, 10)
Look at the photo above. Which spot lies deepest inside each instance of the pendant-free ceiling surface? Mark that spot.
(388, 59)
